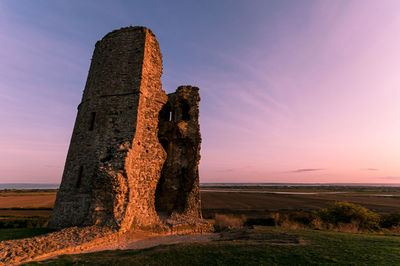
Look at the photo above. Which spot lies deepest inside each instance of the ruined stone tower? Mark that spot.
(134, 152)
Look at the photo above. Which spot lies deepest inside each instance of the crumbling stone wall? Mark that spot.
(179, 133)
(115, 159)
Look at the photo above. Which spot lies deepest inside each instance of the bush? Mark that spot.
(344, 213)
(23, 222)
(390, 220)
(268, 221)
(224, 222)
(304, 218)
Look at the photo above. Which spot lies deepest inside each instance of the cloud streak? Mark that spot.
(302, 170)
(391, 178)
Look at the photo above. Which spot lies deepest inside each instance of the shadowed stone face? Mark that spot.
(134, 152)
(179, 133)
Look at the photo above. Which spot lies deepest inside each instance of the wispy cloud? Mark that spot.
(225, 170)
(391, 178)
(370, 169)
(302, 170)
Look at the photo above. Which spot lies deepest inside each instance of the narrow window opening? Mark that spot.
(92, 120)
(79, 180)
(185, 110)
(170, 116)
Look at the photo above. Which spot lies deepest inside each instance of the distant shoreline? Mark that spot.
(28, 186)
(300, 184)
(56, 186)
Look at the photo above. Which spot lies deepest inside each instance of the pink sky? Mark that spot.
(290, 93)
(332, 103)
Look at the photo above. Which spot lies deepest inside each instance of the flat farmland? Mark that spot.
(260, 201)
(40, 203)
(26, 203)
(29, 199)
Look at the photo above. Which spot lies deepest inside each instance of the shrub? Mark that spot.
(284, 220)
(224, 222)
(268, 221)
(304, 218)
(23, 222)
(344, 213)
(390, 220)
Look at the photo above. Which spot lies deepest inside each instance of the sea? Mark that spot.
(28, 186)
(204, 185)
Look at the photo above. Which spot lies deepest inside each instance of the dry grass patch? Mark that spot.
(228, 222)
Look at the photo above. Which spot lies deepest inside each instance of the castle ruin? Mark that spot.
(134, 153)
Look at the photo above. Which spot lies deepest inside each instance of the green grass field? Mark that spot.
(315, 248)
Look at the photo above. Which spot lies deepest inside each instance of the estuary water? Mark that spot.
(28, 186)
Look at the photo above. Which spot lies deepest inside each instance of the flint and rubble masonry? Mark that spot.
(134, 152)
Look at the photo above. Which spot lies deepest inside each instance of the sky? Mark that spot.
(291, 91)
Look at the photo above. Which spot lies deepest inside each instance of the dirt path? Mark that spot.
(148, 241)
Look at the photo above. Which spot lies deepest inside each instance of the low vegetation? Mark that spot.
(318, 247)
(340, 216)
(23, 222)
(226, 222)
(390, 220)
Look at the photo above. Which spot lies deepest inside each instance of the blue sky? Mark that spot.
(292, 91)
